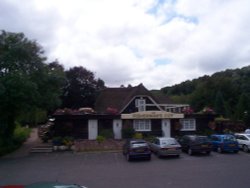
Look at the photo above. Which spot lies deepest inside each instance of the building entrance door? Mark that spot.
(117, 128)
(165, 125)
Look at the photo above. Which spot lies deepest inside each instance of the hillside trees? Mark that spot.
(27, 83)
(219, 103)
(227, 92)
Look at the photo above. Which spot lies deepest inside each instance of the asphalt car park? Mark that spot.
(105, 170)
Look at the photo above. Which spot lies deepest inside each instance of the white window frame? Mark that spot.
(140, 104)
(142, 125)
(188, 124)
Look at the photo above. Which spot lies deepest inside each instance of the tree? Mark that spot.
(242, 108)
(227, 86)
(49, 83)
(26, 81)
(81, 88)
(219, 103)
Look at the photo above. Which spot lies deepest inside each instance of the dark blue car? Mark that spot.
(136, 148)
(224, 143)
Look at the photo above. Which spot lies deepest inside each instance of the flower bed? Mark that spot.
(94, 145)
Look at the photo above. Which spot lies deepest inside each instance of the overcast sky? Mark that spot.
(155, 42)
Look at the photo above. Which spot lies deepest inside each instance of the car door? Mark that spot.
(155, 145)
(184, 142)
(240, 140)
(215, 142)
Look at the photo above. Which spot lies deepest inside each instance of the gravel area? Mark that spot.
(93, 145)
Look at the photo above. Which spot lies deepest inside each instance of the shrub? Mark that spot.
(57, 141)
(207, 132)
(128, 133)
(68, 141)
(21, 134)
(106, 133)
(138, 136)
(100, 139)
(13, 143)
(150, 138)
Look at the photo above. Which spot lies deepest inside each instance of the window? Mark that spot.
(229, 138)
(142, 125)
(140, 104)
(188, 124)
(241, 137)
(215, 138)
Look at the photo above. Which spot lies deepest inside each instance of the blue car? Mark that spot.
(224, 143)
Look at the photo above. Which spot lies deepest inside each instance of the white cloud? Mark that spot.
(121, 41)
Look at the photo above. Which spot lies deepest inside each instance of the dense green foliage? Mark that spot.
(227, 92)
(81, 88)
(29, 87)
(19, 136)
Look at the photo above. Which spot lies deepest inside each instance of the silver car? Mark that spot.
(164, 146)
(244, 141)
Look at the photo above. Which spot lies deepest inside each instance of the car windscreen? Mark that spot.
(169, 142)
(138, 144)
(229, 138)
(248, 136)
(202, 139)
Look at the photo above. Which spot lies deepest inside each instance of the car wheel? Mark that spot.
(219, 150)
(236, 151)
(245, 148)
(208, 152)
(190, 152)
(149, 158)
(157, 154)
(128, 157)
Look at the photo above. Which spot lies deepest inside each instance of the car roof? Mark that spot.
(51, 185)
(222, 135)
(165, 138)
(194, 135)
(245, 134)
(44, 185)
(136, 140)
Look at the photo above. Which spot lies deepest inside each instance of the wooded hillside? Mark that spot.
(227, 92)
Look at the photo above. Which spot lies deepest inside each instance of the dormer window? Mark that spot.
(140, 104)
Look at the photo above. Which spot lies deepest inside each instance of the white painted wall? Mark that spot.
(93, 129)
(165, 126)
(117, 128)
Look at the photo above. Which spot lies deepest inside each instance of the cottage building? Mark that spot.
(118, 109)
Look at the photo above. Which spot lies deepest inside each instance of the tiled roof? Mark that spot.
(163, 99)
(118, 98)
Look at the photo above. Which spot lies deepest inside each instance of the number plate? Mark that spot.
(171, 149)
(139, 150)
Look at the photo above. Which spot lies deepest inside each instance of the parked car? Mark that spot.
(243, 141)
(136, 148)
(196, 144)
(224, 143)
(45, 185)
(163, 146)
